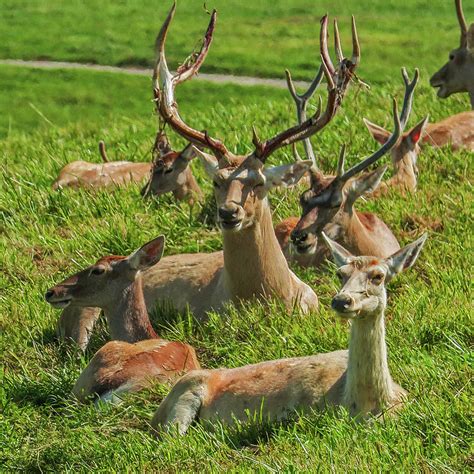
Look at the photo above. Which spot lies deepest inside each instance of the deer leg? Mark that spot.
(181, 406)
(76, 324)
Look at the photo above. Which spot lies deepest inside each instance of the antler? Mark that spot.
(164, 84)
(103, 152)
(462, 23)
(301, 101)
(337, 80)
(399, 125)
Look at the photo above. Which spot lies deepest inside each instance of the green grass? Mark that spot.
(47, 235)
(259, 38)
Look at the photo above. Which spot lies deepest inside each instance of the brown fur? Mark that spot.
(457, 131)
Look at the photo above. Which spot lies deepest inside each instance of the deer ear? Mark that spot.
(405, 257)
(147, 255)
(286, 175)
(470, 38)
(379, 133)
(340, 255)
(208, 161)
(367, 183)
(418, 131)
(189, 152)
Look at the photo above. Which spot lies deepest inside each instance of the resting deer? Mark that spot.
(82, 174)
(136, 357)
(252, 264)
(358, 379)
(168, 172)
(329, 204)
(457, 75)
(171, 172)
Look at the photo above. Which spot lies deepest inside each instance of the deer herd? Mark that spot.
(257, 257)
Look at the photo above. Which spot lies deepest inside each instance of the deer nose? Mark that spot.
(342, 303)
(298, 236)
(228, 213)
(48, 295)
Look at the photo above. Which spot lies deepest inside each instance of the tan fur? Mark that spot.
(82, 174)
(120, 366)
(457, 131)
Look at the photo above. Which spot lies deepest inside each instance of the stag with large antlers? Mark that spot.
(332, 200)
(252, 264)
(457, 75)
(358, 379)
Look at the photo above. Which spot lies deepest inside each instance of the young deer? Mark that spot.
(252, 264)
(329, 204)
(358, 379)
(457, 75)
(136, 357)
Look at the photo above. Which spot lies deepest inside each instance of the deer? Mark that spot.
(136, 357)
(329, 204)
(457, 75)
(357, 379)
(168, 172)
(456, 131)
(251, 264)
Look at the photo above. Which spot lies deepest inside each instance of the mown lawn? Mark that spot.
(47, 235)
(258, 38)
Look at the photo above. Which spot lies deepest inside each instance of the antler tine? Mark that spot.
(462, 23)
(341, 161)
(296, 155)
(164, 84)
(355, 44)
(337, 83)
(337, 43)
(323, 41)
(301, 101)
(408, 99)
(103, 152)
(387, 146)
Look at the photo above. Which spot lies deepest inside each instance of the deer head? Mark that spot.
(327, 195)
(100, 284)
(169, 168)
(457, 75)
(242, 182)
(363, 279)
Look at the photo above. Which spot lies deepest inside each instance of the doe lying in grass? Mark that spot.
(168, 172)
(357, 379)
(137, 356)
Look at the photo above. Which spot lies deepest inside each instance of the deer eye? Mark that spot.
(451, 57)
(216, 184)
(377, 278)
(97, 271)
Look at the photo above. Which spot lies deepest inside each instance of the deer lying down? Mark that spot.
(358, 379)
(457, 75)
(136, 357)
(168, 172)
(457, 131)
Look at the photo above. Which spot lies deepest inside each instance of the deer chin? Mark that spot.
(60, 304)
(231, 226)
(442, 90)
(308, 249)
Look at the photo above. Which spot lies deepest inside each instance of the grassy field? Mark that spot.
(55, 117)
(259, 38)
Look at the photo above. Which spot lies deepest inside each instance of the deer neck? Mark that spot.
(404, 173)
(254, 264)
(128, 317)
(186, 184)
(368, 382)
